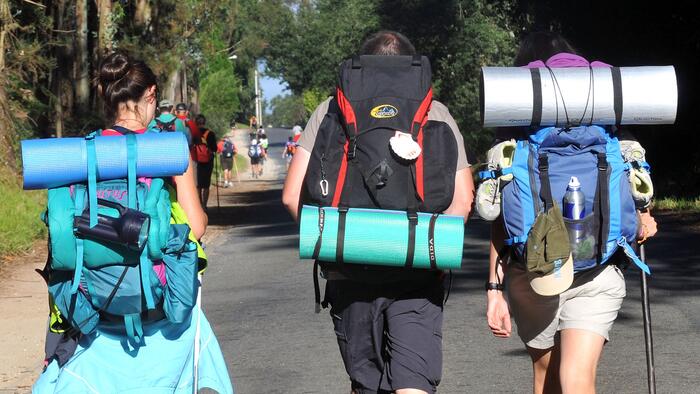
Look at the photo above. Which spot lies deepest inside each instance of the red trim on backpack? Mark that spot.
(349, 116)
(341, 176)
(421, 118)
(346, 109)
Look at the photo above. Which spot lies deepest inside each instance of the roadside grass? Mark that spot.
(678, 204)
(20, 224)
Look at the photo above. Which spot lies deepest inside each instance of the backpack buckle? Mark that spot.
(352, 148)
(412, 217)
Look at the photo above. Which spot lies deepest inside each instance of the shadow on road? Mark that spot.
(672, 254)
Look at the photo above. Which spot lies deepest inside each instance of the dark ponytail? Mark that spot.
(121, 79)
(541, 45)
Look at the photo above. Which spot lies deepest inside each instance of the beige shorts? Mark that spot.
(591, 303)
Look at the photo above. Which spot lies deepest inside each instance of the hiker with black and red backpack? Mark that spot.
(204, 149)
(569, 197)
(382, 142)
(124, 257)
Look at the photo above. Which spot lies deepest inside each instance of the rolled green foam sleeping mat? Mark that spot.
(380, 237)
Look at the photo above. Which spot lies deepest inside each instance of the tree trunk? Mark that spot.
(82, 65)
(6, 129)
(143, 13)
(171, 86)
(104, 42)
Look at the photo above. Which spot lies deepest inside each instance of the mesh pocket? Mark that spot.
(583, 240)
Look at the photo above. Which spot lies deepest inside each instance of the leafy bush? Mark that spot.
(20, 224)
(219, 99)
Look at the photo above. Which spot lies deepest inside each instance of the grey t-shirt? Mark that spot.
(379, 274)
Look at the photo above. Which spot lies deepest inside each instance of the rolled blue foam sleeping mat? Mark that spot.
(53, 162)
(516, 96)
(380, 237)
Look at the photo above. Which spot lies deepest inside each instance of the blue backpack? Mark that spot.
(542, 167)
(93, 281)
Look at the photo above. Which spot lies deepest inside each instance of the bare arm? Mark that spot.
(291, 192)
(463, 196)
(188, 199)
(497, 312)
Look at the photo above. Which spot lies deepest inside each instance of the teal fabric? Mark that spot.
(92, 179)
(380, 237)
(181, 270)
(64, 205)
(131, 168)
(180, 126)
(163, 365)
(79, 243)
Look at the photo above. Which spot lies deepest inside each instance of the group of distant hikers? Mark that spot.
(205, 149)
(381, 150)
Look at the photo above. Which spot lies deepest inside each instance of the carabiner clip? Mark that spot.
(324, 187)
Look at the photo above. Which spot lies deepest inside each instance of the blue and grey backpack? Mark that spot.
(93, 281)
(542, 167)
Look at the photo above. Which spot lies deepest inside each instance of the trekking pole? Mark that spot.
(217, 163)
(197, 335)
(646, 316)
(235, 167)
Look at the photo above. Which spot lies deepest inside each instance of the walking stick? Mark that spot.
(197, 335)
(235, 167)
(218, 174)
(646, 316)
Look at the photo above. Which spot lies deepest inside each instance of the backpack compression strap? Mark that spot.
(351, 123)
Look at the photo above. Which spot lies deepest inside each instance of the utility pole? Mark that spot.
(258, 96)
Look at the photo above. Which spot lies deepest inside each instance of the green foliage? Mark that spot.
(305, 47)
(312, 98)
(219, 98)
(20, 225)
(287, 111)
(479, 39)
(678, 204)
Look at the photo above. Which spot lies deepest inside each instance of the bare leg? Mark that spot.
(205, 197)
(545, 369)
(580, 353)
(410, 391)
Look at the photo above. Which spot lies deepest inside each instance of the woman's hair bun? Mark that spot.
(122, 79)
(114, 67)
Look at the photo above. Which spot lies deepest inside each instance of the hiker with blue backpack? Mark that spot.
(227, 149)
(256, 154)
(568, 203)
(124, 257)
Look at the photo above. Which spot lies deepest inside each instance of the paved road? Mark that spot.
(259, 297)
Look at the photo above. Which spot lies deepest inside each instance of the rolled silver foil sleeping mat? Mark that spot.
(516, 96)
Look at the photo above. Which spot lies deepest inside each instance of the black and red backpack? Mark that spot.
(352, 164)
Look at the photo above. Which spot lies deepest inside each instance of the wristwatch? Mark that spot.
(494, 286)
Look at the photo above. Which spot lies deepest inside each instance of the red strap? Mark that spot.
(350, 120)
(419, 120)
(341, 177)
(346, 109)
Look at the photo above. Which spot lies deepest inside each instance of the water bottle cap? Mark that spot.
(574, 183)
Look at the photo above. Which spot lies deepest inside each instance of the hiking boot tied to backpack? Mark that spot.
(488, 194)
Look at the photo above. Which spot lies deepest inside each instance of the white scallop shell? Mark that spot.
(404, 146)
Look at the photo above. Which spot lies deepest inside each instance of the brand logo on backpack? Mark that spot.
(384, 111)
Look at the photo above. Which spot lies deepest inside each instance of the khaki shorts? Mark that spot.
(591, 303)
